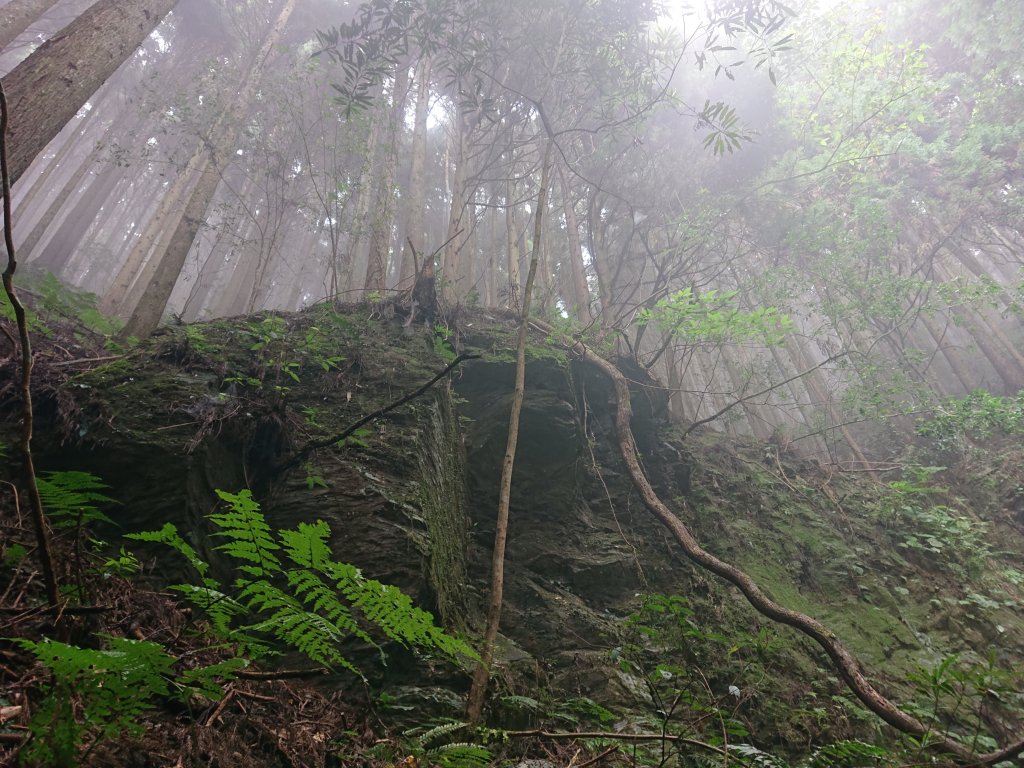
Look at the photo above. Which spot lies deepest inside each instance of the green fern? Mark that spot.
(70, 498)
(290, 592)
(101, 694)
(461, 754)
(248, 536)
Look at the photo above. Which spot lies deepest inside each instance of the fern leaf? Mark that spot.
(307, 545)
(846, 754)
(70, 498)
(248, 535)
(756, 757)
(219, 607)
(169, 536)
(320, 598)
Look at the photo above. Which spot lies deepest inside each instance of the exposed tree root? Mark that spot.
(845, 663)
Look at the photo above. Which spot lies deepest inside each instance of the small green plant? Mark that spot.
(430, 747)
(934, 529)
(964, 692)
(95, 695)
(290, 594)
(284, 355)
(196, 338)
(442, 342)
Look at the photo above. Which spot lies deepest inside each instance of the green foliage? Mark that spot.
(975, 417)
(714, 318)
(101, 694)
(53, 302)
(70, 498)
(425, 747)
(935, 529)
(291, 593)
(442, 342)
(956, 690)
(842, 754)
(285, 354)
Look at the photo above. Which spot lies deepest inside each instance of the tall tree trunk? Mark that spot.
(357, 235)
(580, 290)
(147, 313)
(68, 235)
(512, 235)
(478, 691)
(455, 284)
(47, 89)
(415, 247)
(17, 15)
(384, 213)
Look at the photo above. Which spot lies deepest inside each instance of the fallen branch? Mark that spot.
(303, 454)
(845, 663)
(281, 674)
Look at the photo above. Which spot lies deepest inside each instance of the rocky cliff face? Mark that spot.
(905, 577)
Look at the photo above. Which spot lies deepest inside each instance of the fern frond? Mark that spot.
(846, 754)
(756, 757)
(70, 498)
(309, 633)
(433, 734)
(307, 545)
(169, 536)
(392, 610)
(219, 607)
(461, 755)
(319, 597)
(248, 535)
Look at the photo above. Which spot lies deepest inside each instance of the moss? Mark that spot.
(442, 485)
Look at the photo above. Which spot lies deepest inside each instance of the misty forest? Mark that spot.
(539, 384)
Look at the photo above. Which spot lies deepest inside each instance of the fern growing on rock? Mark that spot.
(290, 593)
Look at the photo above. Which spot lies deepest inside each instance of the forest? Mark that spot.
(537, 384)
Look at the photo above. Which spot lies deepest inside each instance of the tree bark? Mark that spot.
(47, 89)
(17, 15)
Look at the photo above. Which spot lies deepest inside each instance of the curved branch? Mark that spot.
(845, 663)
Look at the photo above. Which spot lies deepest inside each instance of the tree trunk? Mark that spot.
(481, 675)
(383, 217)
(580, 290)
(415, 248)
(146, 315)
(512, 234)
(357, 234)
(47, 89)
(454, 283)
(17, 15)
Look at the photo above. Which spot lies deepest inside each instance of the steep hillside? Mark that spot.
(606, 624)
